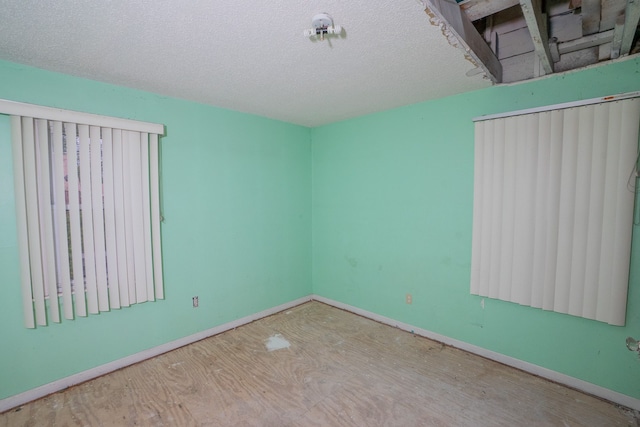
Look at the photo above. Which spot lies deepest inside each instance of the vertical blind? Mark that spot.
(553, 208)
(87, 202)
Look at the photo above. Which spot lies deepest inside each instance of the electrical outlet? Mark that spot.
(409, 299)
(195, 302)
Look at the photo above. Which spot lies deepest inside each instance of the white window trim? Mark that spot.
(582, 102)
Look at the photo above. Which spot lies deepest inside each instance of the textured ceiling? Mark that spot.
(244, 55)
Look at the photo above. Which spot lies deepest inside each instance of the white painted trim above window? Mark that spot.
(57, 114)
(579, 103)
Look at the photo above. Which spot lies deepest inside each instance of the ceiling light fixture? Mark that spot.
(322, 24)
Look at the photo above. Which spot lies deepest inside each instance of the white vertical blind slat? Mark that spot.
(553, 208)
(97, 210)
(110, 218)
(485, 242)
(146, 214)
(154, 178)
(507, 217)
(21, 219)
(566, 211)
(62, 240)
(120, 218)
(87, 220)
(128, 214)
(593, 242)
(581, 209)
(541, 223)
(528, 172)
(496, 207)
(33, 220)
(45, 204)
(532, 203)
(137, 220)
(75, 223)
(520, 224)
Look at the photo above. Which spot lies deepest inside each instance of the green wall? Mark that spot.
(237, 204)
(391, 196)
(392, 214)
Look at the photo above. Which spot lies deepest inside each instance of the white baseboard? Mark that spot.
(584, 386)
(61, 384)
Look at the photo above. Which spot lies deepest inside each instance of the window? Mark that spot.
(553, 207)
(87, 202)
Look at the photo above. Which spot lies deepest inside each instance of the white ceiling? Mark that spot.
(245, 55)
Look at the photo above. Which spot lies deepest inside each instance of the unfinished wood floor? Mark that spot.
(339, 370)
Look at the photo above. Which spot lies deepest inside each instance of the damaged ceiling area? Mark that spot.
(514, 40)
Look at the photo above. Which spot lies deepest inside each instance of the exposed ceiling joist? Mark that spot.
(536, 22)
(618, 33)
(632, 16)
(478, 9)
(460, 32)
(541, 37)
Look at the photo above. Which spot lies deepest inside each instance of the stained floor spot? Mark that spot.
(277, 342)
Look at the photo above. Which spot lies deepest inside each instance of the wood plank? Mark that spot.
(586, 42)
(478, 9)
(455, 24)
(577, 59)
(590, 17)
(340, 370)
(559, 7)
(536, 22)
(565, 27)
(604, 52)
(514, 43)
(609, 12)
(509, 20)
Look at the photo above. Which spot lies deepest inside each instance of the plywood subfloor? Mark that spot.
(339, 370)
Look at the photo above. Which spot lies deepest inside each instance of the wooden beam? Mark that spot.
(618, 32)
(537, 24)
(478, 9)
(631, 18)
(585, 42)
(460, 32)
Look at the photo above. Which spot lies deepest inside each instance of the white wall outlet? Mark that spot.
(409, 299)
(196, 302)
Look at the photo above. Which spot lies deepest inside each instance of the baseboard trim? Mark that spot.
(584, 386)
(63, 383)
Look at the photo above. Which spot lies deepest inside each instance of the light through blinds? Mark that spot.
(553, 207)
